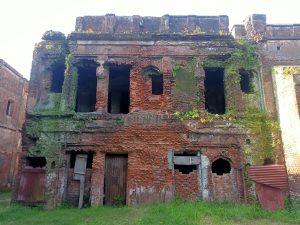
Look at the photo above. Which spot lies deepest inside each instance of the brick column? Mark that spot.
(102, 87)
(200, 76)
(97, 180)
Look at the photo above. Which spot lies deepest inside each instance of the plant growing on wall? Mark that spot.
(186, 89)
(263, 129)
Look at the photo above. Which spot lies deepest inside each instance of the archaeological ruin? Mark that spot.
(131, 109)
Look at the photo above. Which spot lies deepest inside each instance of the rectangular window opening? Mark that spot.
(9, 108)
(87, 86)
(57, 79)
(246, 81)
(119, 90)
(214, 90)
(157, 84)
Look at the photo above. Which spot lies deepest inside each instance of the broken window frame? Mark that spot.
(72, 157)
(186, 162)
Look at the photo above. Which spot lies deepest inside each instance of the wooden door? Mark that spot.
(115, 179)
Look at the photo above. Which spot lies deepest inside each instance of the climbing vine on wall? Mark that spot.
(291, 70)
(69, 89)
(263, 130)
(48, 133)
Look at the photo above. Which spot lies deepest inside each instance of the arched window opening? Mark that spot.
(157, 79)
(220, 166)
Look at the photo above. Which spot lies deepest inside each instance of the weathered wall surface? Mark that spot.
(14, 89)
(150, 135)
(288, 112)
(279, 46)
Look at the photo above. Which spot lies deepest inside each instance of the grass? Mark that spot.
(177, 212)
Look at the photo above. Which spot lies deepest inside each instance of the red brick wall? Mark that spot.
(186, 185)
(224, 187)
(12, 87)
(149, 178)
(72, 192)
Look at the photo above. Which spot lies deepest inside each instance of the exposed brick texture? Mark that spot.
(72, 192)
(278, 46)
(186, 185)
(149, 134)
(14, 89)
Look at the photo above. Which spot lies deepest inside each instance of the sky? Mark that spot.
(23, 22)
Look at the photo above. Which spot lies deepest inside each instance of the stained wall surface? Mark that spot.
(108, 51)
(13, 97)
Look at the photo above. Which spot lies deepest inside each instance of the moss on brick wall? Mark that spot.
(186, 91)
(257, 124)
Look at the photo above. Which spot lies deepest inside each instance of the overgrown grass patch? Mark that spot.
(177, 212)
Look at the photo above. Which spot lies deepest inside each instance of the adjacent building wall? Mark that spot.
(279, 47)
(13, 98)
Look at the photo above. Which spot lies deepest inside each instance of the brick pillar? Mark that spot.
(167, 76)
(97, 180)
(102, 74)
(200, 76)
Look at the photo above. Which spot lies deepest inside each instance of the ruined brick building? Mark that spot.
(142, 109)
(279, 47)
(13, 98)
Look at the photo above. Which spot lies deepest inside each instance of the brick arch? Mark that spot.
(232, 141)
(151, 70)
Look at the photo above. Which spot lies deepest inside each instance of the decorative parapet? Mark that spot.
(165, 24)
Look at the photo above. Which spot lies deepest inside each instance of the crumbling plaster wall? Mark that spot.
(288, 112)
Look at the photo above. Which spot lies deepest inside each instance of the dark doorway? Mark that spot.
(115, 179)
(214, 90)
(87, 85)
(118, 90)
(57, 78)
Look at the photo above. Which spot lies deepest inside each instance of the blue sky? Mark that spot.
(23, 22)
